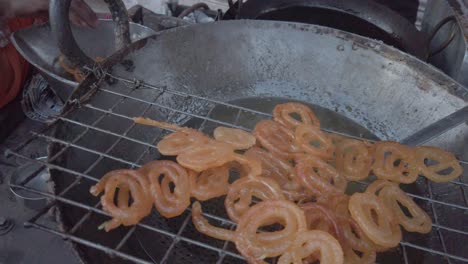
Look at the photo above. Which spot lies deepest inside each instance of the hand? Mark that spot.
(80, 13)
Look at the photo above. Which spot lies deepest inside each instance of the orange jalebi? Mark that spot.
(395, 199)
(338, 203)
(237, 138)
(283, 115)
(395, 162)
(374, 218)
(128, 182)
(432, 163)
(318, 177)
(319, 244)
(209, 184)
(203, 157)
(292, 159)
(313, 141)
(170, 203)
(348, 233)
(321, 218)
(179, 142)
(204, 227)
(277, 138)
(353, 159)
(281, 171)
(256, 246)
(251, 167)
(239, 197)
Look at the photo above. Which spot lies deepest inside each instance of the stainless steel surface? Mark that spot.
(59, 16)
(447, 123)
(363, 17)
(38, 46)
(453, 60)
(357, 86)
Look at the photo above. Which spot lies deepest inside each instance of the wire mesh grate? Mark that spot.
(106, 146)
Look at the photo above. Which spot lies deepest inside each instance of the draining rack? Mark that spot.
(127, 92)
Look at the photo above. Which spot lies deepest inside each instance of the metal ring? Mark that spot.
(61, 29)
(191, 9)
(436, 30)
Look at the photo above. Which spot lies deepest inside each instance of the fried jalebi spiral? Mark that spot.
(276, 138)
(256, 246)
(348, 233)
(290, 199)
(319, 177)
(353, 159)
(238, 139)
(209, 184)
(354, 241)
(395, 162)
(241, 192)
(375, 219)
(281, 171)
(206, 156)
(338, 203)
(351, 257)
(128, 182)
(320, 218)
(168, 203)
(433, 161)
(179, 142)
(204, 227)
(283, 115)
(314, 142)
(316, 243)
(251, 167)
(353, 236)
(394, 198)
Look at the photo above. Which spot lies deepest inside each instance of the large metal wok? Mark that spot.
(233, 73)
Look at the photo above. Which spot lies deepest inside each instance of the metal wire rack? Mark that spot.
(447, 231)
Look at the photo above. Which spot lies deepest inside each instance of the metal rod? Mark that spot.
(436, 218)
(109, 132)
(164, 232)
(437, 252)
(125, 238)
(53, 166)
(225, 245)
(42, 211)
(405, 255)
(85, 131)
(176, 239)
(83, 219)
(437, 128)
(188, 95)
(152, 228)
(175, 110)
(87, 243)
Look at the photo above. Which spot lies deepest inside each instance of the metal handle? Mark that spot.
(60, 24)
(436, 30)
